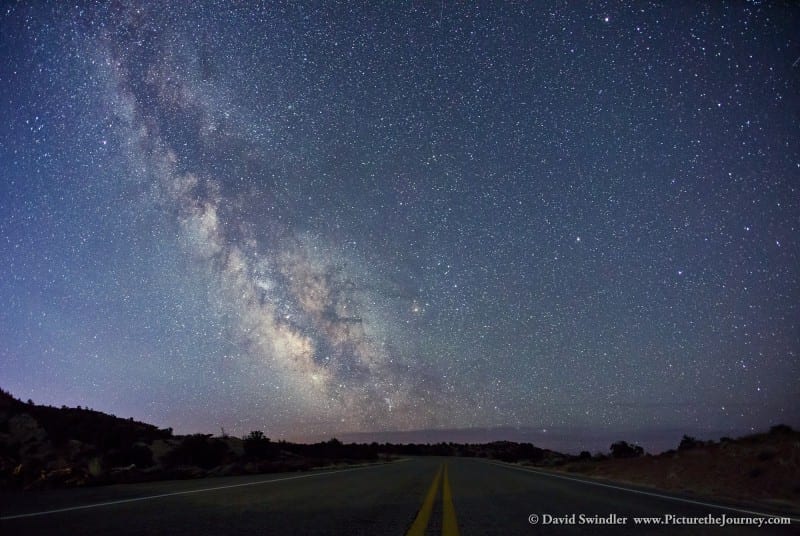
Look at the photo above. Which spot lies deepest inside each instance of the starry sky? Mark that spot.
(348, 218)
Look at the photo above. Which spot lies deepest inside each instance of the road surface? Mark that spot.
(418, 496)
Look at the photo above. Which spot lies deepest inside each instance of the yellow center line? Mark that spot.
(424, 515)
(449, 523)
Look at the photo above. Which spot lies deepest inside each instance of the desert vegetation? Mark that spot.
(43, 446)
(761, 467)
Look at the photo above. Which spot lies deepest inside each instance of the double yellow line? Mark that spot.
(449, 523)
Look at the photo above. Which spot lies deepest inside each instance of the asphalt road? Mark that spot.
(418, 496)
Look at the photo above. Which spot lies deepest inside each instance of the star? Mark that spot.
(362, 220)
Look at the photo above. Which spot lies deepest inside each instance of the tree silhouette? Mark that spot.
(688, 442)
(256, 445)
(622, 449)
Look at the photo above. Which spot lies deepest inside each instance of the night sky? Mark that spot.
(320, 219)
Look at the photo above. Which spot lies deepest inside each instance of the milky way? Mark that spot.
(318, 219)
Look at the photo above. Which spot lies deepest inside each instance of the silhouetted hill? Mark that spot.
(44, 446)
(83, 424)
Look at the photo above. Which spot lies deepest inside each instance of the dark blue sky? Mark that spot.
(325, 218)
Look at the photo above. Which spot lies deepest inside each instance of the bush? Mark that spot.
(781, 429)
(199, 450)
(622, 449)
(689, 442)
(257, 446)
(138, 455)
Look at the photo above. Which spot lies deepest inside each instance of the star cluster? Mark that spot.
(320, 218)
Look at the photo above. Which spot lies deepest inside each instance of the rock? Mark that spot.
(25, 432)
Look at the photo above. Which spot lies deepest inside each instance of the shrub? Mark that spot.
(781, 429)
(689, 442)
(621, 449)
(138, 455)
(256, 445)
(199, 450)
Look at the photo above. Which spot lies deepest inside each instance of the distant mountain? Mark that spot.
(568, 439)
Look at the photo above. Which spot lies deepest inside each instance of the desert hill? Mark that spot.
(762, 467)
(44, 446)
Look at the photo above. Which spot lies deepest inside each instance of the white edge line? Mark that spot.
(149, 497)
(640, 492)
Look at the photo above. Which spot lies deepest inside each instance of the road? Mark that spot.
(419, 496)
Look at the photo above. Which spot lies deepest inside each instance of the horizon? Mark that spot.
(319, 220)
(565, 440)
